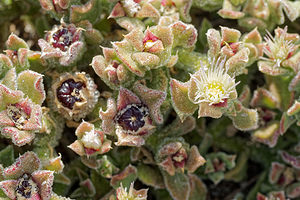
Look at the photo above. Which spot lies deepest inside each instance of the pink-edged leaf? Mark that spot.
(14, 42)
(17, 136)
(293, 190)
(126, 97)
(185, 35)
(129, 174)
(48, 51)
(9, 188)
(55, 164)
(77, 147)
(83, 127)
(31, 83)
(44, 180)
(26, 163)
(292, 160)
(135, 37)
(124, 51)
(153, 99)
(194, 160)
(10, 78)
(180, 100)
(125, 139)
(5, 120)
(264, 98)
(275, 172)
(8, 96)
(117, 11)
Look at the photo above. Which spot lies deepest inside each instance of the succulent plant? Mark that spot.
(25, 180)
(149, 99)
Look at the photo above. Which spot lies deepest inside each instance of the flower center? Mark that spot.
(69, 93)
(91, 140)
(26, 188)
(17, 115)
(179, 158)
(62, 39)
(132, 117)
(148, 44)
(215, 92)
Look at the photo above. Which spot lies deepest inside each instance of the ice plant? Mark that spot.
(21, 112)
(90, 141)
(189, 109)
(58, 7)
(217, 165)
(279, 50)
(228, 45)
(20, 121)
(285, 176)
(63, 44)
(211, 88)
(141, 51)
(73, 95)
(173, 7)
(131, 194)
(259, 13)
(133, 118)
(275, 195)
(111, 70)
(24, 179)
(269, 129)
(176, 156)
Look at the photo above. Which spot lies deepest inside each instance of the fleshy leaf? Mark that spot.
(31, 83)
(246, 119)
(27, 163)
(180, 101)
(7, 156)
(198, 188)
(127, 176)
(153, 99)
(150, 175)
(88, 11)
(178, 185)
(15, 43)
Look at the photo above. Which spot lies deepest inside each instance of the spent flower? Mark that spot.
(73, 95)
(132, 118)
(63, 44)
(24, 179)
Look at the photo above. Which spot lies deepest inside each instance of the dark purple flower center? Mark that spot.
(132, 117)
(69, 93)
(179, 158)
(26, 187)
(62, 39)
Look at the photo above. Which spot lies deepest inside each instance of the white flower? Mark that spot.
(132, 194)
(214, 85)
(91, 140)
(278, 48)
(131, 6)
